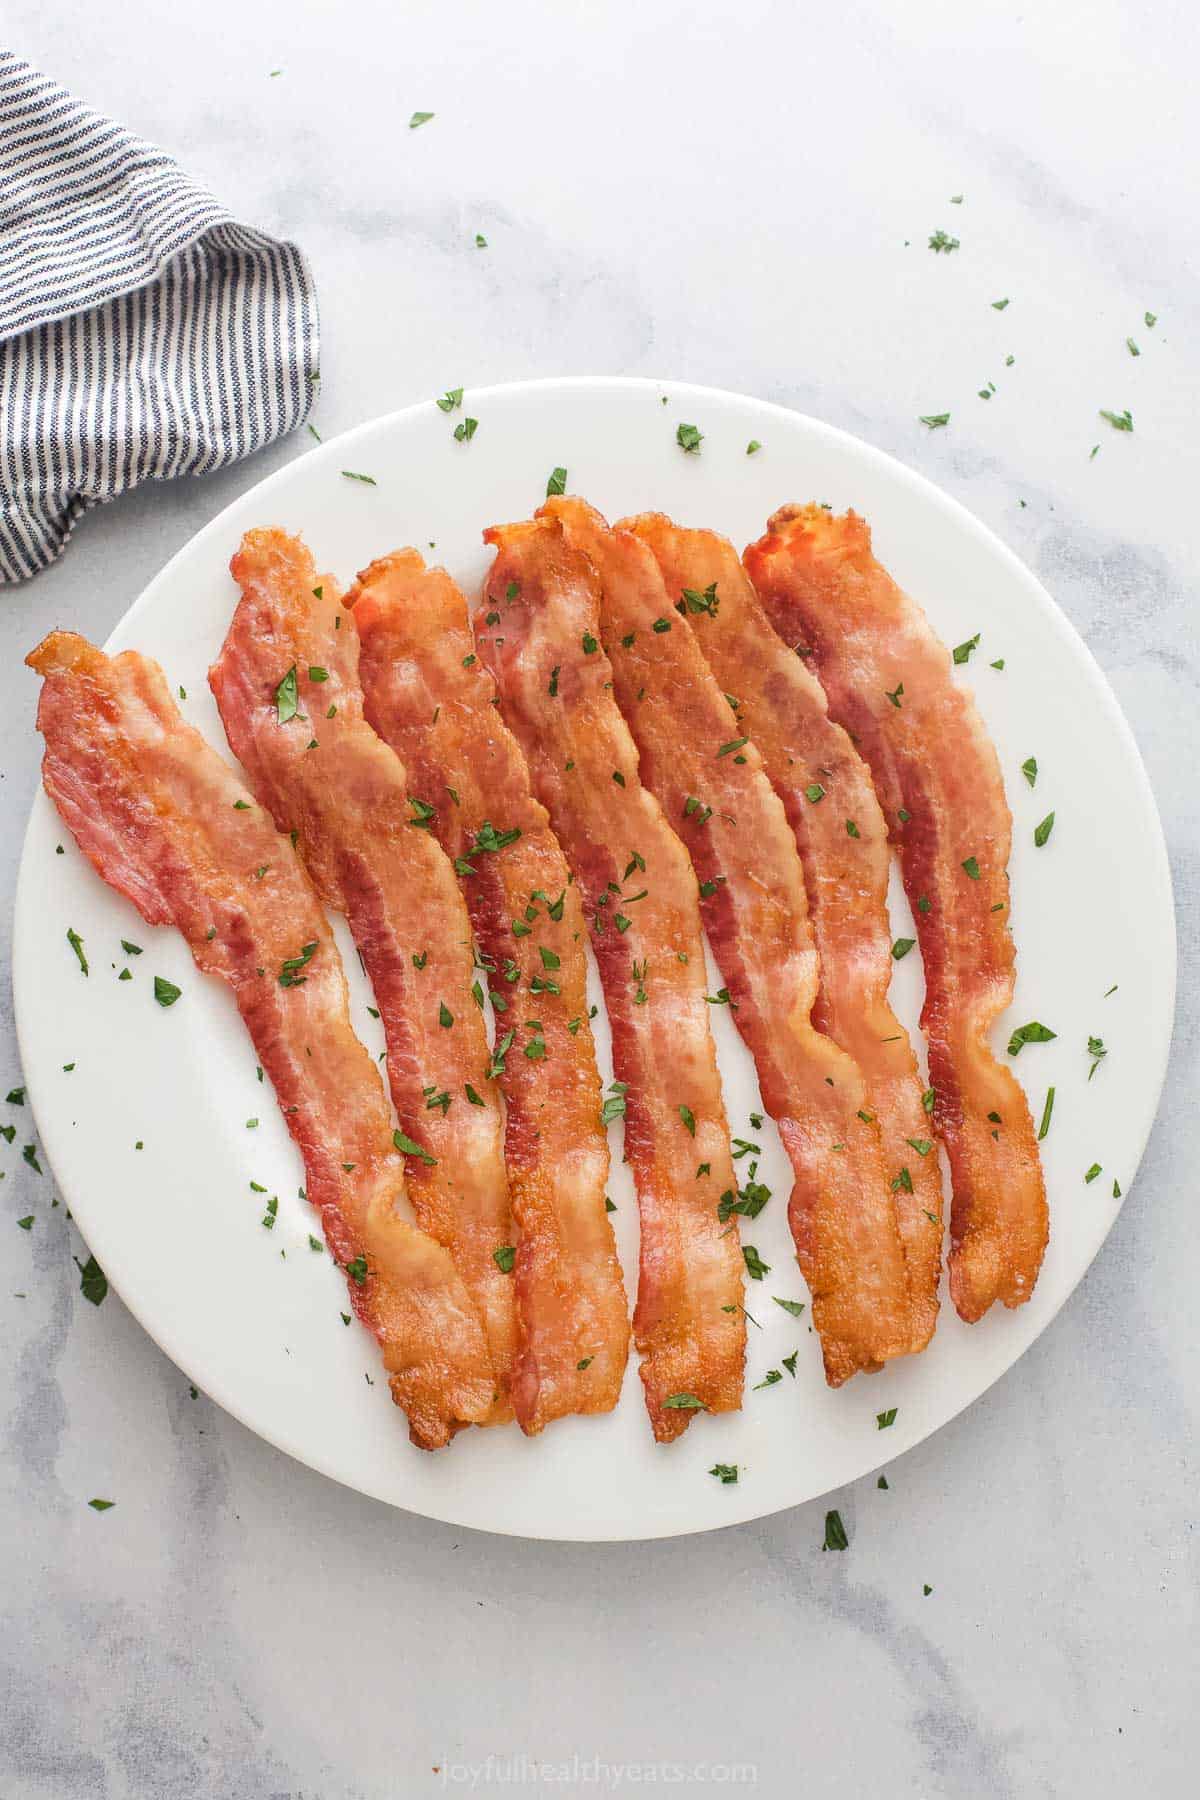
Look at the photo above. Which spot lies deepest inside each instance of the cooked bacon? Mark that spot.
(697, 760)
(430, 698)
(325, 775)
(889, 683)
(168, 824)
(554, 693)
(842, 840)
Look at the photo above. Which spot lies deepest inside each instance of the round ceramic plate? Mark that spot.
(148, 1132)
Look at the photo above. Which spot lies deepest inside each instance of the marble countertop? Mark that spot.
(740, 196)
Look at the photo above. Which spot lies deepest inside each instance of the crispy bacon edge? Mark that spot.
(326, 775)
(697, 759)
(689, 1321)
(166, 823)
(428, 695)
(830, 802)
(889, 681)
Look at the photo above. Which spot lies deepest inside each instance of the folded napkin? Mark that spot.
(143, 331)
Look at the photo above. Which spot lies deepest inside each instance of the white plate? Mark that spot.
(175, 1225)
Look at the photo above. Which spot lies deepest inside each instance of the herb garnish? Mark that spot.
(835, 1532)
(557, 482)
(76, 943)
(287, 700)
(726, 1473)
(962, 652)
(689, 439)
(504, 1257)
(450, 399)
(934, 420)
(353, 475)
(1047, 1113)
(93, 1283)
(901, 948)
(289, 971)
(419, 118)
(165, 992)
(410, 1147)
(1029, 770)
(684, 1403)
(756, 1268)
(1043, 831)
(1033, 1033)
(884, 1419)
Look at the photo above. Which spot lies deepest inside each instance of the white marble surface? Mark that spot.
(741, 196)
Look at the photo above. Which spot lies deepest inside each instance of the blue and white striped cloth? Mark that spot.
(144, 333)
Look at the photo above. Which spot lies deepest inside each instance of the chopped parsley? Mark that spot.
(165, 992)
(1042, 833)
(770, 1379)
(410, 1147)
(1092, 1173)
(1122, 421)
(289, 971)
(450, 399)
(465, 430)
(287, 700)
(884, 1419)
(1029, 770)
(901, 948)
(835, 1532)
(353, 475)
(795, 1307)
(504, 1257)
(971, 865)
(701, 600)
(689, 439)
(852, 829)
(814, 793)
(76, 943)
(419, 118)
(753, 447)
(756, 1268)
(93, 1283)
(934, 420)
(1033, 1033)
(962, 652)
(1097, 1051)
(557, 482)
(726, 1473)
(684, 1403)
(1047, 1114)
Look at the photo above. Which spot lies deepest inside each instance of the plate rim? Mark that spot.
(1053, 613)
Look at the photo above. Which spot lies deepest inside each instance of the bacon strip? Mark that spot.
(554, 692)
(698, 762)
(840, 833)
(889, 682)
(325, 775)
(430, 698)
(168, 824)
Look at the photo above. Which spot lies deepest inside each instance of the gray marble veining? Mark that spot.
(740, 196)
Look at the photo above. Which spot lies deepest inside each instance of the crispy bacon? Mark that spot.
(699, 763)
(889, 682)
(322, 772)
(429, 697)
(167, 823)
(640, 903)
(839, 830)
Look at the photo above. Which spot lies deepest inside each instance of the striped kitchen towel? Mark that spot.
(144, 333)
